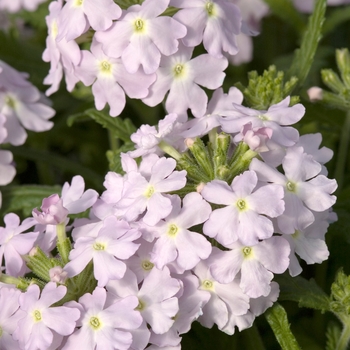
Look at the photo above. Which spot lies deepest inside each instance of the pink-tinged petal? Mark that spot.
(273, 254)
(107, 267)
(114, 339)
(316, 193)
(83, 338)
(135, 85)
(160, 316)
(233, 296)
(79, 262)
(192, 247)
(162, 168)
(115, 39)
(108, 91)
(244, 184)
(186, 94)
(195, 210)
(295, 216)
(253, 227)
(272, 207)
(286, 115)
(266, 173)
(255, 279)
(122, 313)
(210, 78)
(173, 182)
(218, 192)
(101, 14)
(214, 311)
(299, 166)
(88, 68)
(158, 286)
(222, 225)
(158, 207)
(195, 20)
(141, 51)
(226, 265)
(164, 252)
(164, 31)
(160, 87)
(151, 9)
(61, 319)
(51, 294)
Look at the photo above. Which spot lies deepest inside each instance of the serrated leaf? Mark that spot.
(303, 57)
(25, 198)
(121, 128)
(333, 334)
(305, 293)
(277, 318)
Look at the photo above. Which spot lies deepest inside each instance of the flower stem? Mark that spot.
(345, 335)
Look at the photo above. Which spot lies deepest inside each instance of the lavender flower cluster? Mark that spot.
(197, 235)
(207, 209)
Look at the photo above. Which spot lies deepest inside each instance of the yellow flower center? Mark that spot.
(290, 186)
(37, 315)
(172, 230)
(95, 323)
(147, 265)
(99, 246)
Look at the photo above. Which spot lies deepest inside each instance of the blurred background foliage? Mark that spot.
(53, 157)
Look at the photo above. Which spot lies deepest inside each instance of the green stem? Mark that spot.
(345, 335)
(169, 150)
(252, 338)
(113, 141)
(342, 153)
(63, 243)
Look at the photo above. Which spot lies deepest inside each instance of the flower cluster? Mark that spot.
(21, 107)
(194, 231)
(141, 52)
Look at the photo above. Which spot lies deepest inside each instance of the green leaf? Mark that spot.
(303, 57)
(305, 293)
(121, 128)
(333, 334)
(277, 318)
(288, 13)
(25, 198)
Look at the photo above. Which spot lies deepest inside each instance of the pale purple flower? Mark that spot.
(22, 105)
(7, 170)
(215, 22)
(63, 56)
(58, 275)
(256, 264)
(157, 302)
(191, 303)
(277, 118)
(247, 212)
(227, 300)
(175, 240)
(141, 36)
(181, 75)
(308, 243)
(44, 326)
(113, 242)
(53, 212)
(76, 17)
(141, 194)
(13, 244)
(147, 138)
(75, 200)
(104, 325)
(110, 79)
(311, 145)
(303, 188)
(220, 104)
(9, 317)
